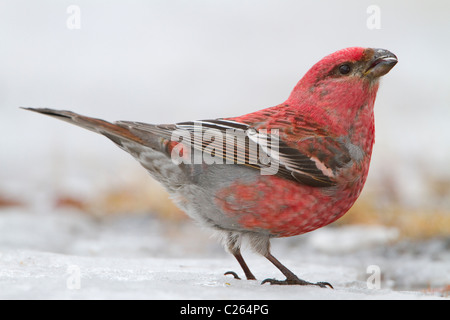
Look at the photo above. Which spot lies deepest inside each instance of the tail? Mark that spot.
(147, 143)
(112, 131)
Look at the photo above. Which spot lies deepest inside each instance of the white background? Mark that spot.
(169, 61)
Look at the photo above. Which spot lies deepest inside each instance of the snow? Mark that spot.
(343, 239)
(48, 276)
(157, 62)
(65, 254)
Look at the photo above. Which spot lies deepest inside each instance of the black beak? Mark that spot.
(381, 63)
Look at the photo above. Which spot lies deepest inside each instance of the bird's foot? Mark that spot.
(297, 281)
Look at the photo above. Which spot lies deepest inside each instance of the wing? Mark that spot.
(291, 148)
(229, 141)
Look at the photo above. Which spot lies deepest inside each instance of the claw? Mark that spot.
(297, 282)
(323, 284)
(234, 274)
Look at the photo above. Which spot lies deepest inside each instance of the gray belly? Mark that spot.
(194, 188)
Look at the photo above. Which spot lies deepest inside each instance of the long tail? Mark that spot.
(147, 143)
(114, 132)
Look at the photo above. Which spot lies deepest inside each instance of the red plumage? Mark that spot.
(319, 111)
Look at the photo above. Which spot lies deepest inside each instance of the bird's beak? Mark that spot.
(380, 63)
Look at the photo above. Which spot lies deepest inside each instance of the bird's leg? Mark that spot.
(291, 278)
(236, 252)
(244, 267)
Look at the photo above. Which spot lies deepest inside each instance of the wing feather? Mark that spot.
(250, 147)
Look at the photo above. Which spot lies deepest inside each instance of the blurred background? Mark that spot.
(169, 61)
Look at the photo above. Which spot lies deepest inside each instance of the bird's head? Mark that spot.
(349, 74)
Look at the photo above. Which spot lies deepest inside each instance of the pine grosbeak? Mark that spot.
(315, 149)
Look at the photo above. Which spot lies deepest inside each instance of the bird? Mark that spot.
(277, 172)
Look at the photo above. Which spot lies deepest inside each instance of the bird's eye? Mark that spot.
(345, 68)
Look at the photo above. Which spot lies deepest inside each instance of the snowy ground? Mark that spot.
(172, 61)
(69, 255)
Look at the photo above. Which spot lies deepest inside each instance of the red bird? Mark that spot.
(277, 172)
